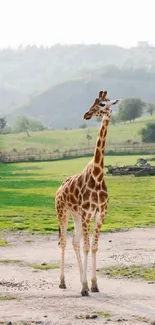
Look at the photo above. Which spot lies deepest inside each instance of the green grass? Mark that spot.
(27, 202)
(34, 266)
(8, 261)
(133, 271)
(3, 243)
(29, 241)
(103, 314)
(76, 138)
(45, 266)
(4, 298)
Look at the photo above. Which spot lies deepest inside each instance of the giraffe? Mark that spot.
(85, 196)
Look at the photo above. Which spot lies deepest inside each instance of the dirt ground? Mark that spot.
(39, 299)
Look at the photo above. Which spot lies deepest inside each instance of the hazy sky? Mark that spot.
(120, 22)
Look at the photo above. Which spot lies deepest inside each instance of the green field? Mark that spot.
(69, 139)
(27, 194)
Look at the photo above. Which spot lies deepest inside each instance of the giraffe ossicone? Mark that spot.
(85, 196)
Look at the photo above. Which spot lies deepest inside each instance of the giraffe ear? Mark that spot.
(100, 95)
(115, 101)
(104, 94)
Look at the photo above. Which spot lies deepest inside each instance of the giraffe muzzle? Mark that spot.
(87, 116)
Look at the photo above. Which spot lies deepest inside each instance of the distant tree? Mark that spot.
(130, 108)
(83, 126)
(3, 123)
(22, 124)
(148, 133)
(25, 124)
(88, 137)
(150, 108)
(113, 119)
(35, 125)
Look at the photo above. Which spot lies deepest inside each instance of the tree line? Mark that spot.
(128, 110)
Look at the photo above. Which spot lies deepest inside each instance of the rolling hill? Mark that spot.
(63, 105)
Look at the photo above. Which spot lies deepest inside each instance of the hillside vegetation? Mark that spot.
(68, 139)
(63, 105)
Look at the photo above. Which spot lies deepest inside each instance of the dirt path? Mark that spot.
(40, 301)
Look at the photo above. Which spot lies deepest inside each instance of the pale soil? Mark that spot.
(40, 301)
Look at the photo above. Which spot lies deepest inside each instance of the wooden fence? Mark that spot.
(111, 149)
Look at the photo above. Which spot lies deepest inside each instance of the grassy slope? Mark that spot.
(66, 139)
(28, 190)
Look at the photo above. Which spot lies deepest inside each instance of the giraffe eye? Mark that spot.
(101, 104)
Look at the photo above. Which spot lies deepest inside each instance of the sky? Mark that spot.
(48, 22)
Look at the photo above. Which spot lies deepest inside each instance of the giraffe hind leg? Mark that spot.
(99, 218)
(86, 248)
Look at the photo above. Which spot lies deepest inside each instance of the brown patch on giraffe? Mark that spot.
(84, 224)
(94, 197)
(80, 181)
(96, 171)
(76, 192)
(102, 208)
(86, 205)
(99, 143)
(75, 207)
(66, 190)
(86, 195)
(79, 199)
(91, 182)
(100, 178)
(103, 196)
(93, 207)
(97, 156)
(87, 177)
(72, 186)
(83, 216)
(83, 188)
(73, 199)
(103, 144)
(104, 186)
(105, 133)
(88, 216)
(101, 162)
(64, 196)
(98, 187)
(101, 133)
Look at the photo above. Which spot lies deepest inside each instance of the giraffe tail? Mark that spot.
(59, 236)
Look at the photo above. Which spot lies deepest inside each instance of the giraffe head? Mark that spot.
(101, 106)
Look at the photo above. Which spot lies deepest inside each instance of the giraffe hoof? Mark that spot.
(84, 293)
(95, 289)
(62, 286)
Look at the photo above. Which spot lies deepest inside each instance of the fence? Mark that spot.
(111, 149)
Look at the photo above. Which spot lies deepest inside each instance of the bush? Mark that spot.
(148, 133)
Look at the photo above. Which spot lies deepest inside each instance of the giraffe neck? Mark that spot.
(98, 160)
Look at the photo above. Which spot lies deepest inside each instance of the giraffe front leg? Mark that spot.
(63, 233)
(99, 218)
(76, 243)
(86, 248)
